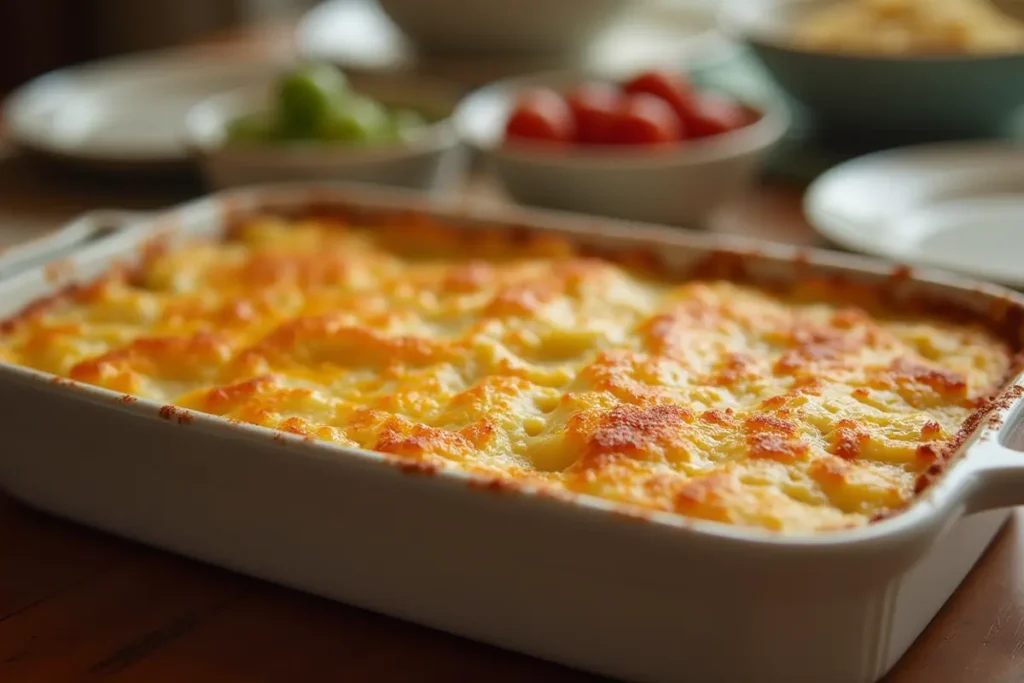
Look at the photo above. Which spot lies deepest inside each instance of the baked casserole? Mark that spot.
(520, 357)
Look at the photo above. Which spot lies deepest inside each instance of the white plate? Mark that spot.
(358, 35)
(956, 206)
(126, 111)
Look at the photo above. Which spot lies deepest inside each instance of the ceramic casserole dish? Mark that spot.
(569, 578)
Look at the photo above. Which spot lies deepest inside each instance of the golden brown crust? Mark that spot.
(525, 359)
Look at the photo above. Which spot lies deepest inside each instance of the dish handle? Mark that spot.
(997, 471)
(86, 229)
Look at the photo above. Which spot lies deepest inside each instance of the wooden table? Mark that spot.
(76, 605)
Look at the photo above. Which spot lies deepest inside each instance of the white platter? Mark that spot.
(126, 111)
(956, 206)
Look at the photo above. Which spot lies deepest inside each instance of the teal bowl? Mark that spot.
(903, 98)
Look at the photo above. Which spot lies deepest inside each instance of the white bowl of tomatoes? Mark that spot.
(655, 147)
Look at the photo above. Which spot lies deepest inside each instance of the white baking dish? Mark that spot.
(569, 580)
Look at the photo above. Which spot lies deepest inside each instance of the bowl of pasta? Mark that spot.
(907, 69)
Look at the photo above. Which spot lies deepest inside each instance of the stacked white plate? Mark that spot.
(955, 206)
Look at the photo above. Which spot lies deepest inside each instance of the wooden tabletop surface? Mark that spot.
(77, 605)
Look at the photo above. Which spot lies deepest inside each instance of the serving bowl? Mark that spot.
(525, 27)
(680, 185)
(900, 97)
(430, 161)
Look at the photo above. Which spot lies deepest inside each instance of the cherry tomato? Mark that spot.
(672, 87)
(713, 115)
(647, 120)
(541, 115)
(595, 107)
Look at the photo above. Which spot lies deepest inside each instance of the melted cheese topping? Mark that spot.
(525, 360)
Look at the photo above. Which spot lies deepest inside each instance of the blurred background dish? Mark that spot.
(314, 123)
(677, 184)
(524, 27)
(893, 98)
(958, 206)
(360, 35)
(125, 112)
